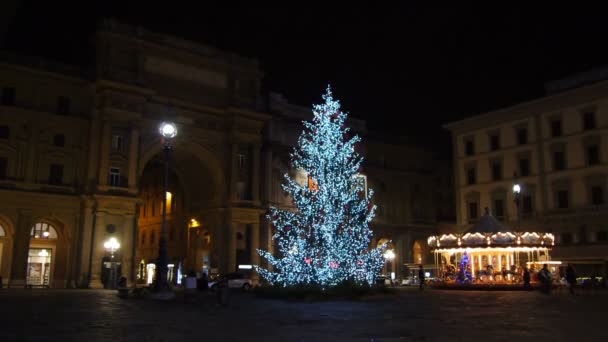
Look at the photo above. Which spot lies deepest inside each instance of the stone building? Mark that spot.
(81, 161)
(556, 149)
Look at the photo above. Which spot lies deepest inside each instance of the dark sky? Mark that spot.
(400, 65)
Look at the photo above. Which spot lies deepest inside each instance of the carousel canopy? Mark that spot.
(487, 224)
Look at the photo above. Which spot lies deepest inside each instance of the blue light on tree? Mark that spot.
(326, 240)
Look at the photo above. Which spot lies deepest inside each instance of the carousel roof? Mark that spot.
(488, 224)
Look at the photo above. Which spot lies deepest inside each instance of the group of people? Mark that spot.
(545, 277)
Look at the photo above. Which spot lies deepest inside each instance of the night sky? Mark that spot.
(404, 67)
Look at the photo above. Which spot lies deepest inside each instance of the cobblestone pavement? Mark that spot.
(97, 315)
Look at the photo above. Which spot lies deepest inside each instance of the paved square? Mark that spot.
(97, 315)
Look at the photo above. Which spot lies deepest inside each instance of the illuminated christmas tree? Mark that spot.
(326, 240)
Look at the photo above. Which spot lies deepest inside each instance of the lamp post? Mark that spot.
(112, 245)
(168, 131)
(389, 255)
(516, 192)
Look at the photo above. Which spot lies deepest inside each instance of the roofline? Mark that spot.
(455, 125)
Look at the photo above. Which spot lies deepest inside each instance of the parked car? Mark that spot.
(234, 280)
(410, 281)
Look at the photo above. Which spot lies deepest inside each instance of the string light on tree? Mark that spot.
(326, 240)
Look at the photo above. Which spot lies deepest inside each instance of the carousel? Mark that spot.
(491, 254)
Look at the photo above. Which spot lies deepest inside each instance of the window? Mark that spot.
(556, 128)
(56, 174)
(566, 238)
(562, 199)
(597, 195)
(499, 209)
(522, 136)
(524, 167)
(143, 238)
(469, 147)
(559, 160)
(114, 176)
(601, 235)
(496, 171)
(589, 121)
(152, 237)
(8, 96)
(63, 105)
(3, 168)
(117, 143)
(43, 230)
(593, 155)
(473, 215)
(171, 234)
(5, 132)
(59, 140)
(527, 204)
(471, 176)
(241, 160)
(494, 142)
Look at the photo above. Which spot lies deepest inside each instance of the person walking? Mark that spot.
(571, 278)
(527, 279)
(421, 277)
(546, 279)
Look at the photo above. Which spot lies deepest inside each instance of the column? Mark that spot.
(21, 248)
(104, 157)
(480, 262)
(133, 157)
(255, 173)
(127, 248)
(97, 250)
(87, 236)
(94, 140)
(255, 243)
(231, 267)
(30, 160)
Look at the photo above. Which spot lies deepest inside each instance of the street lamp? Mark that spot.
(516, 192)
(112, 245)
(168, 131)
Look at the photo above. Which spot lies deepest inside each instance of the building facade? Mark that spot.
(556, 149)
(81, 162)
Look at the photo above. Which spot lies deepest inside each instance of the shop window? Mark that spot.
(602, 236)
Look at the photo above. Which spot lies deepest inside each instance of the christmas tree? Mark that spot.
(326, 239)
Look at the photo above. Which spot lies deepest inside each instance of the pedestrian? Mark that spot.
(205, 281)
(527, 279)
(571, 278)
(421, 277)
(546, 279)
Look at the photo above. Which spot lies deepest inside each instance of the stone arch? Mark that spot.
(58, 251)
(206, 158)
(6, 247)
